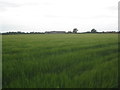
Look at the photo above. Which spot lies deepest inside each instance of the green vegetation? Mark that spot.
(0, 61)
(60, 61)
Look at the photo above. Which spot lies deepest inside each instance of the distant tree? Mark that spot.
(88, 32)
(75, 30)
(69, 32)
(93, 31)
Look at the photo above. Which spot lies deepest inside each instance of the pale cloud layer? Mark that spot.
(49, 15)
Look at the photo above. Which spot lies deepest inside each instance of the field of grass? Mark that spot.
(0, 61)
(60, 61)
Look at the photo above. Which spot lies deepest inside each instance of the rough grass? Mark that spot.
(60, 61)
(0, 61)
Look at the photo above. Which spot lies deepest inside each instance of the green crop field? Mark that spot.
(60, 61)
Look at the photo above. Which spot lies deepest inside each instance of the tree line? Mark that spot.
(75, 31)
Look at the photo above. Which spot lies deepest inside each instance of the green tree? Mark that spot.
(93, 31)
(75, 30)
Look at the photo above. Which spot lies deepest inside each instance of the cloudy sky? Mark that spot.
(58, 15)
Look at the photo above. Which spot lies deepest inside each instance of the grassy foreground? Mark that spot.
(60, 61)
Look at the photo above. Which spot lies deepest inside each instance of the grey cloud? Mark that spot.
(5, 5)
(10, 27)
(105, 16)
(112, 8)
(53, 16)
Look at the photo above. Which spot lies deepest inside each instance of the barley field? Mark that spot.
(60, 61)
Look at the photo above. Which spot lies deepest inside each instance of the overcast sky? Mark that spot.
(58, 15)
